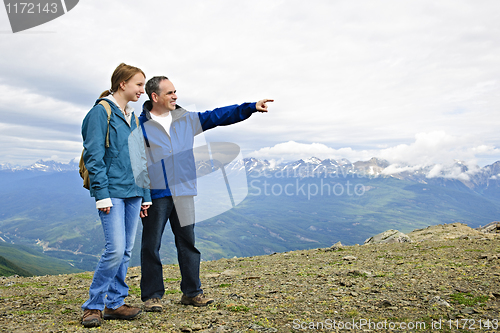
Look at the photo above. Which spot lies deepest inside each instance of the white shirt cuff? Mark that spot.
(104, 203)
(146, 203)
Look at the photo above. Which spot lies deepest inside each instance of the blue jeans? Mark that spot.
(119, 226)
(181, 216)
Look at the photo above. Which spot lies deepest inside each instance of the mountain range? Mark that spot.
(302, 204)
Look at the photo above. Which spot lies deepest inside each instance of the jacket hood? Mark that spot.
(147, 106)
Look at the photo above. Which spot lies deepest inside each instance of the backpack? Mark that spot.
(84, 173)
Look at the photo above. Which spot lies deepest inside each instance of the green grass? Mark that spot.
(172, 291)
(85, 276)
(171, 279)
(26, 312)
(468, 299)
(238, 308)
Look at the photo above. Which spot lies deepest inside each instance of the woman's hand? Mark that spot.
(105, 210)
(144, 211)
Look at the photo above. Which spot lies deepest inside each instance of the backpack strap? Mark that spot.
(136, 121)
(108, 111)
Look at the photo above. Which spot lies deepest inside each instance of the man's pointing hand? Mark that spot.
(261, 105)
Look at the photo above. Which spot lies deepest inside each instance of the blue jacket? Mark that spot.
(171, 162)
(110, 169)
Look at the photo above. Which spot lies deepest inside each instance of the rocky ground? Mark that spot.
(439, 283)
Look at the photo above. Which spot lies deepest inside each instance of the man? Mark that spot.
(169, 133)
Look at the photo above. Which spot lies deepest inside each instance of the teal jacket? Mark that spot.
(111, 172)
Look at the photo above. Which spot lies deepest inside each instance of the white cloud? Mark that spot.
(358, 74)
(437, 149)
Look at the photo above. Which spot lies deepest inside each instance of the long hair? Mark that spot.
(122, 73)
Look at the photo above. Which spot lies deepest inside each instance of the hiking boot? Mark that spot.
(91, 318)
(198, 300)
(153, 305)
(125, 311)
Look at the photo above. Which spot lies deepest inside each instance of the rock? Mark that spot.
(230, 272)
(259, 328)
(196, 327)
(491, 228)
(349, 258)
(389, 236)
(384, 304)
(462, 290)
(335, 247)
(468, 311)
(356, 272)
(346, 283)
(436, 300)
(212, 275)
(488, 257)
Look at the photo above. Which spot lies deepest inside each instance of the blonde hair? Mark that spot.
(122, 73)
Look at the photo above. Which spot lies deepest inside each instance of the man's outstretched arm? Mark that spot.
(231, 114)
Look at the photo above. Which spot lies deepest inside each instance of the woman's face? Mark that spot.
(134, 88)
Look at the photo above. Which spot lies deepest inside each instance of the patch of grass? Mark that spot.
(445, 247)
(225, 285)
(474, 250)
(85, 276)
(172, 291)
(238, 308)
(352, 313)
(26, 312)
(134, 290)
(468, 299)
(171, 279)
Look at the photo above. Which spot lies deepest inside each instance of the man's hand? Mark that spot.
(144, 211)
(105, 210)
(261, 105)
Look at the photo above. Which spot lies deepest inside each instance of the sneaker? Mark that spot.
(153, 305)
(125, 311)
(91, 318)
(198, 300)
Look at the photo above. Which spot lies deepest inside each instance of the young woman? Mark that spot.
(118, 197)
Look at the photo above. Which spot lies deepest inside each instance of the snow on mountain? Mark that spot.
(470, 175)
(44, 166)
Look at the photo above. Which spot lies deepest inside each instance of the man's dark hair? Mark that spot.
(153, 85)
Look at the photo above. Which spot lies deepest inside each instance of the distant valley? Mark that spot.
(298, 205)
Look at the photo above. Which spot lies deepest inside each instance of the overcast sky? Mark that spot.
(412, 82)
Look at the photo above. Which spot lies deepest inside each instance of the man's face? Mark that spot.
(167, 97)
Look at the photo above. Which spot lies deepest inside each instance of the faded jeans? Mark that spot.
(120, 227)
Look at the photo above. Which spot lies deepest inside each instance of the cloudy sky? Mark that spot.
(413, 82)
